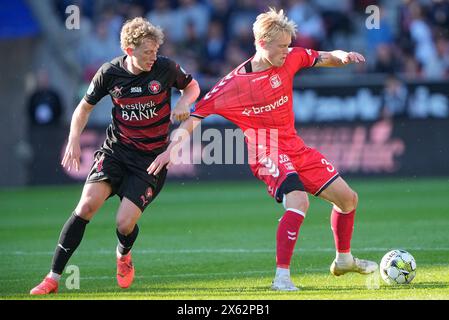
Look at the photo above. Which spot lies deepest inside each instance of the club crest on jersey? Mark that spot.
(154, 87)
(275, 81)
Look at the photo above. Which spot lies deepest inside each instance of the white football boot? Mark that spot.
(358, 265)
(283, 283)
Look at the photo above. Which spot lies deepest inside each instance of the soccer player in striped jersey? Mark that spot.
(257, 96)
(139, 84)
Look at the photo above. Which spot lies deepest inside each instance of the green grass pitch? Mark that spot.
(217, 241)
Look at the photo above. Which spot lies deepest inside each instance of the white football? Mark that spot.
(397, 267)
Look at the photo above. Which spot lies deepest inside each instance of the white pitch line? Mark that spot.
(187, 275)
(184, 275)
(303, 269)
(222, 250)
(216, 274)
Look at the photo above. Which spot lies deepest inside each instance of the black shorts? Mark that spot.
(125, 170)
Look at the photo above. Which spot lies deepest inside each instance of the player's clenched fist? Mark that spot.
(181, 112)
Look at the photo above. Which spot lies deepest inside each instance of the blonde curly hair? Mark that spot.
(135, 30)
(269, 24)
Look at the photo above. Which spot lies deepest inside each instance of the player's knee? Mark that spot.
(125, 226)
(355, 199)
(86, 210)
(297, 200)
(350, 202)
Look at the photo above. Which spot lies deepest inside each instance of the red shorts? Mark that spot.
(315, 172)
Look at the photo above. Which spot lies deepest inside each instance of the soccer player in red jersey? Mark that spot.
(139, 84)
(257, 96)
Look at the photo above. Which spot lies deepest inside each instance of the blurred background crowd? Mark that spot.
(210, 37)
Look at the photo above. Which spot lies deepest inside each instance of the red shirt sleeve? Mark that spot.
(204, 108)
(302, 58)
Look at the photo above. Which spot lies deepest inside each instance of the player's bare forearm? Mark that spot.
(71, 158)
(79, 119)
(191, 92)
(188, 96)
(183, 133)
(338, 58)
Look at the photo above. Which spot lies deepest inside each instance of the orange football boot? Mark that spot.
(125, 271)
(47, 286)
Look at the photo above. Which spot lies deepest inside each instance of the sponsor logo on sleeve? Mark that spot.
(117, 92)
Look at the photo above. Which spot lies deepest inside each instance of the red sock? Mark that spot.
(342, 226)
(286, 237)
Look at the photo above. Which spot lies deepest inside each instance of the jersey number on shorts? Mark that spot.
(329, 167)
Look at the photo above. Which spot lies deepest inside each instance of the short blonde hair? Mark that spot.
(269, 24)
(136, 30)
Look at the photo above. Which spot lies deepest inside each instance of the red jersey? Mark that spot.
(260, 100)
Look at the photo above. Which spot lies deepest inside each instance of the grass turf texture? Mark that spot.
(217, 241)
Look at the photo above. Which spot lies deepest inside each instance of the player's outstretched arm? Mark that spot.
(72, 153)
(189, 94)
(338, 58)
(181, 135)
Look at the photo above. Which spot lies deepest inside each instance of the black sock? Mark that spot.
(69, 239)
(125, 243)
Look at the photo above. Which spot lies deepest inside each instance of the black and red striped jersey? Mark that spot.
(141, 103)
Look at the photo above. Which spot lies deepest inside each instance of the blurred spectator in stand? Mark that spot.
(190, 12)
(385, 60)
(220, 11)
(135, 9)
(421, 34)
(113, 20)
(405, 15)
(234, 55)
(439, 17)
(192, 44)
(310, 24)
(164, 16)
(241, 24)
(44, 104)
(214, 50)
(100, 46)
(127, 9)
(394, 98)
(412, 69)
(404, 20)
(168, 49)
(438, 66)
(336, 16)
